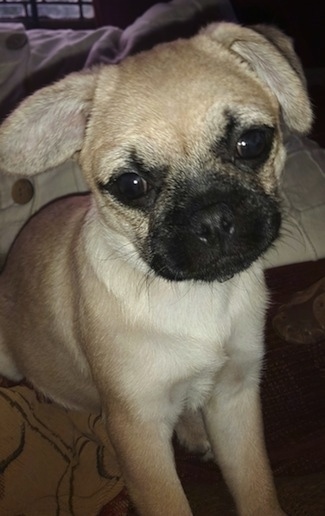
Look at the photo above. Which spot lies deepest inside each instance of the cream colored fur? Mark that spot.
(84, 318)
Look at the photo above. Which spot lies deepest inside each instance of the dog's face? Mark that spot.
(189, 162)
(183, 148)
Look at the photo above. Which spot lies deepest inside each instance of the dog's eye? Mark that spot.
(253, 144)
(131, 186)
(130, 189)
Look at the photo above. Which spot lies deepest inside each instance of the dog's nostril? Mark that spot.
(214, 223)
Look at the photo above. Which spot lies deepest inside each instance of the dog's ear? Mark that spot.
(48, 127)
(270, 54)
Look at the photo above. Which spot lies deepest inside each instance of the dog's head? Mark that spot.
(181, 146)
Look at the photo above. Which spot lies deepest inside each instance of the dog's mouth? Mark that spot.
(215, 238)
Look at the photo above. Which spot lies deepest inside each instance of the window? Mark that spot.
(48, 13)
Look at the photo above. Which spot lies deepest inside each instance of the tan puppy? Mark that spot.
(146, 299)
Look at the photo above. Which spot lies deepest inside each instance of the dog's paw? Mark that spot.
(191, 434)
(208, 455)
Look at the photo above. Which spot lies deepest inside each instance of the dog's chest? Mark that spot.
(167, 371)
(170, 338)
(176, 346)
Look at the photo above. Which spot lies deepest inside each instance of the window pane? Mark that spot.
(58, 11)
(55, 9)
(11, 11)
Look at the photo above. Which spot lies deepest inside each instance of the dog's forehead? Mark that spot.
(184, 77)
(175, 98)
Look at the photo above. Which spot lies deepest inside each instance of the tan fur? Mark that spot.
(81, 313)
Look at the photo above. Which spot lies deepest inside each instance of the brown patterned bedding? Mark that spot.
(53, 461)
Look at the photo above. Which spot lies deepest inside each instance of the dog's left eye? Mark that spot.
(253, 144)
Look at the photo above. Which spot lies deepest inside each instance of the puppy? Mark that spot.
(145, 300)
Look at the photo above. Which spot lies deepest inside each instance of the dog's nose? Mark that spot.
(214, 224)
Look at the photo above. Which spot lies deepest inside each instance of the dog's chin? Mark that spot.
(219, 270)
(206, 277)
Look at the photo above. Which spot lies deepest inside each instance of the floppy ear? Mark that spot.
(270, 54)
(48, 127)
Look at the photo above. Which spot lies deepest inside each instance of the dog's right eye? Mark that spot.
(129, 188)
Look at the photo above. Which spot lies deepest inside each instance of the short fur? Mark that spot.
(151, 309)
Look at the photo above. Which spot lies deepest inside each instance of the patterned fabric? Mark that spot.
(53, 461)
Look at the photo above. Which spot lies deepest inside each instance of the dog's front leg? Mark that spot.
(146, 459)
(234, 425)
